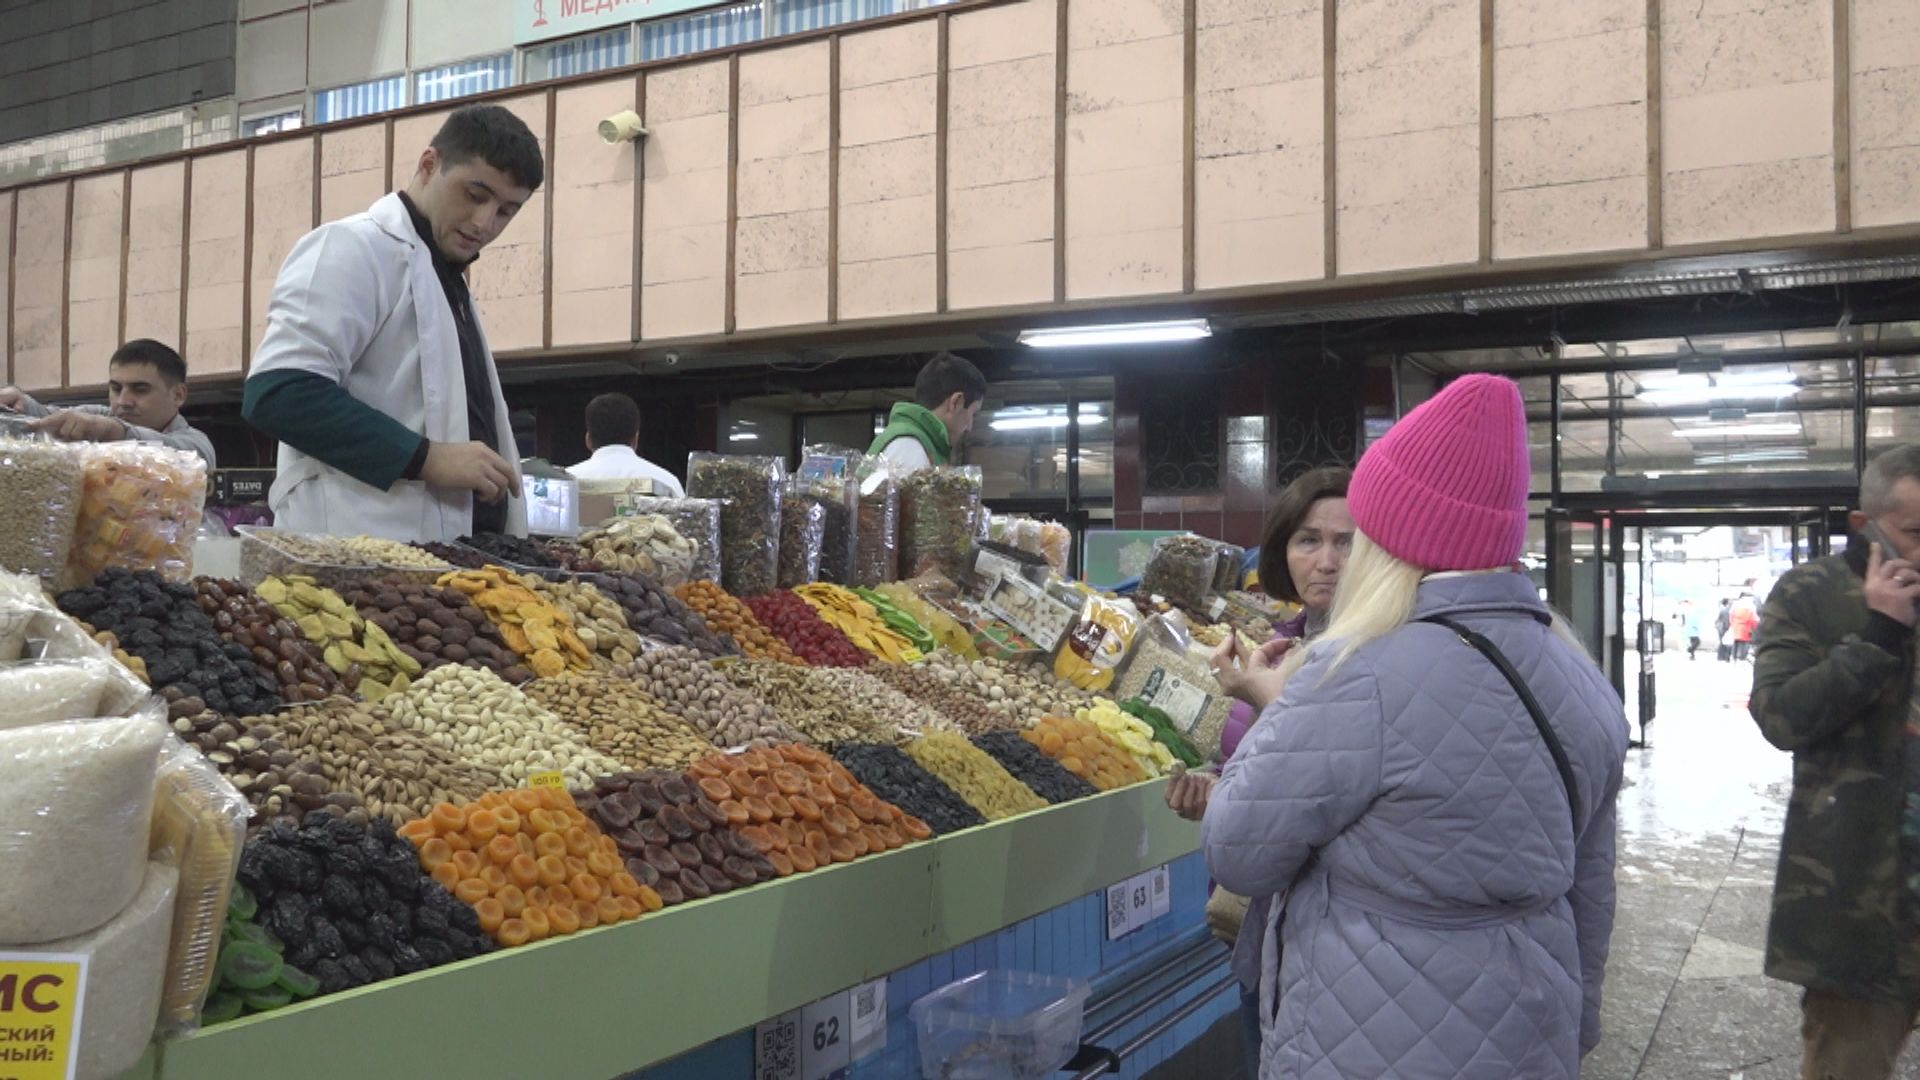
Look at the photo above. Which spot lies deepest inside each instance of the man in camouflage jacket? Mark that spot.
(1833, 683)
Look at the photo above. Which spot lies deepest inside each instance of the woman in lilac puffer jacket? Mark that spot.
(1443, 890)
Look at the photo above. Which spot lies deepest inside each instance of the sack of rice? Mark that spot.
(52, 691)
(126, 963)
(75, 801)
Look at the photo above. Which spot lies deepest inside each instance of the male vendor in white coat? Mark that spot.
(374, 373)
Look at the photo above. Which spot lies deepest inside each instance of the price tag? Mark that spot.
(1139, 901)
(40, 1000)
(913, 656)
(1162, 892)
(826, 1033)
(547, 778)
(869, 1019)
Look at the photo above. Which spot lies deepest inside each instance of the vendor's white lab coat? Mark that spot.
(345, 306)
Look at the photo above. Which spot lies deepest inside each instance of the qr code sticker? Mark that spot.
(777, 1056)
(866, 1001)
(1116, 911)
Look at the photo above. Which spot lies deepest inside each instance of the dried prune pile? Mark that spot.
(161, 623)
(517, 550)
(672, 838)
(900, 780)
(1031, 767)
(351, 904)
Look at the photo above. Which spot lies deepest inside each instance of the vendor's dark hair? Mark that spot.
(613, 420)
(946, 375)
(492, 134)
(148, 351)
(1285, 517)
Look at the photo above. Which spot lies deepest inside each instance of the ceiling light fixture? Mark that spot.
(1142, 333)
(1701, 395)
(1740, 430)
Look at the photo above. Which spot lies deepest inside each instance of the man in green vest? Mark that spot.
(925, 431)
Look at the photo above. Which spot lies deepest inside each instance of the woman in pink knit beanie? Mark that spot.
(1427, 798)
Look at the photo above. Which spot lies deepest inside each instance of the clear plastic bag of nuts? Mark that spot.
(753, 489)
(877, 522)
(828, 474)
(940, 514)
(803, 534)
(39, 508)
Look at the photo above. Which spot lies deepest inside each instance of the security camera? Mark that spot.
(622, 127)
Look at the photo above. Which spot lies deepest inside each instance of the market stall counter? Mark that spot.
(604, 1003)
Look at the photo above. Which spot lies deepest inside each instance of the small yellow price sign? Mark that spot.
(40, 997)
(912, 656)
(547, 778)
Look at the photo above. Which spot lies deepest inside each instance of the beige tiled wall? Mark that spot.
(1746, 119)
(889, 105)
(6, 274)
(1407, 133)
(1259, 132)
(1886, 111)
(1126, 118)
(593, 226)
(216, 264)
(40, 244)
(353, 170)
(93, 276)
(683, 234)
(509, 281)
(282, 214)
(1570, 127)
(155, 221)
(780, 244)
(411, 136)
(1000, 155)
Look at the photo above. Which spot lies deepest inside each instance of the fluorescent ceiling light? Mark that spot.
(1143, 333)
(1738, 430)
(1743, 457)
(1029, 423)
(1724, 392)
(742, 436)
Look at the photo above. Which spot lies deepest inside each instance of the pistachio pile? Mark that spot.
(972, 714)
(280, 785)
(688, 686)
(620, 720)
(600, 623)
(484, 720)
(1022, 694)
(816, 710)
(397, 773)
(644, 544)
(362, 654)
(872, 694)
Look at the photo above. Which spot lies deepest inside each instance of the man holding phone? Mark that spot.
(1833, 683)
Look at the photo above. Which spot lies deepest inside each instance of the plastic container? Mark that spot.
(262, 556)
(999, 1025)
(697, 520)
(140, 510)
(803, 534)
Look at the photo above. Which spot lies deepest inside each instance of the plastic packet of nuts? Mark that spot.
(752, 489)
(828, 474)
(39, 507)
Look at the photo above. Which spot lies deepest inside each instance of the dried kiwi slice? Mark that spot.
(254, 934)
(221, 1007)
(297, 982)
(266, 999)
(247, 966)
(241, 904)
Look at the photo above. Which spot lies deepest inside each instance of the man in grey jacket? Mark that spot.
(146, 386)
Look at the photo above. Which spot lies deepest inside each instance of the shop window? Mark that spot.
(702, 31)
(1022, 449)
(360, 99)
(1180, 440)
(849, 429)
(462, 79)
(580, 55)
(798, 16)
(270, 124)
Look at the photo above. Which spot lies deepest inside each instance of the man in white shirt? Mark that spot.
(613, 437)
(927, 430)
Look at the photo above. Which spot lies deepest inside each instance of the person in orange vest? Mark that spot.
(1743, 621)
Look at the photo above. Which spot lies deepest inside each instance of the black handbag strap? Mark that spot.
(1554, 747)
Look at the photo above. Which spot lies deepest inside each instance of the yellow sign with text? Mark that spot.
(547, 778)
(40, 998)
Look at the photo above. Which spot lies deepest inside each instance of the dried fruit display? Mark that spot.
(529, 864)
(365, 657)
(161, 622)
(811, 637)
(727, 615)
(530, 626)
(801, 809)
(671, 837)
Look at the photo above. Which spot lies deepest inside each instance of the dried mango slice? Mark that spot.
(547, 664)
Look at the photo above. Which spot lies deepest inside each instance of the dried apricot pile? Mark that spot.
(530, 865)
(1085, 751)
(801, 809)
(529, 625)
(727, 615)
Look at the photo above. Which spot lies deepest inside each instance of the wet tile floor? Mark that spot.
(1699, 836)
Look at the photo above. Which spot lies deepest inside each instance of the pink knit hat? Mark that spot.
(1446, 487)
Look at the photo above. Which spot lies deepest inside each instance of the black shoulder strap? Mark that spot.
(1559, 752)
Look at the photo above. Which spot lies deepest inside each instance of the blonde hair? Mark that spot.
(1373, 599)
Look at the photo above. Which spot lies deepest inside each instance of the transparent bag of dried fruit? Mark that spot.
(140, 509)
(940, 515)
(752, 489)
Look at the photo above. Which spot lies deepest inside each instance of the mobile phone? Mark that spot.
(1872, 535)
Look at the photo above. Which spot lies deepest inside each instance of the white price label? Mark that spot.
(1139, 901)
(869, 1019)
(826, 1033)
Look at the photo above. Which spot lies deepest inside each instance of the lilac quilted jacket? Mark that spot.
(1439, 918)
